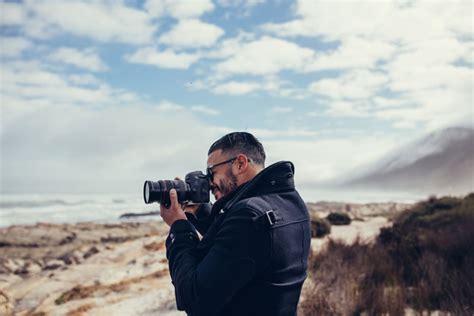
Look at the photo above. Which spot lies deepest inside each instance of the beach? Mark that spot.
(91, 268)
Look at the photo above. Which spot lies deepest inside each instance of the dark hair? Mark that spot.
(240, 143)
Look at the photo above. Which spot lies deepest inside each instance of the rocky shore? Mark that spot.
(118, 269)
(85, 268)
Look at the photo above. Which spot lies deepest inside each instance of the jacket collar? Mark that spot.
(277, 177)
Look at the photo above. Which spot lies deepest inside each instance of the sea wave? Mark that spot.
(31, 203)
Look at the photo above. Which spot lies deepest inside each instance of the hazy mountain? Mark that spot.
(440, 163)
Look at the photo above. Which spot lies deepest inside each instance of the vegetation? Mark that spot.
(320, 227)
(339, 218)
(425, 261)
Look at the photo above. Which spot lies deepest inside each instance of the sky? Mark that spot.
(98, 96)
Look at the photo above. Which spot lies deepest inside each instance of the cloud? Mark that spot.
(178, 9)
(162, 59)
(167, 106)
(390, 21)
(236, 88)
(360, 84)
(354, 52)
(204, 110)
(12, 13)
(239, 8)
(105, 139)
(265, 56)
(83, 58)
(319, 158)
(14, 46)
(84, 80)
(112, 21)
(409, 63)
(34, 82)
(192, 33)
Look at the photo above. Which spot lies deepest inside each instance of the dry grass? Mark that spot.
(81, 292)
(425, 262)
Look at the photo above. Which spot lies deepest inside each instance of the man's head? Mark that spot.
(233, 160)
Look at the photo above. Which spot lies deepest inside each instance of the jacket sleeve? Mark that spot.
(236, 254)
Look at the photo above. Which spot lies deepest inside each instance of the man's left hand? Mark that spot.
(174, 212)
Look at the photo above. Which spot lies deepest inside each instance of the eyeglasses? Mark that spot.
(210, 173)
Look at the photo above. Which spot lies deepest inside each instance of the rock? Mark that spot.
(92, 251)
(29, 268)
(339, 218)
(13, 265)
(53, 264)
(74, 257)
(6, 306)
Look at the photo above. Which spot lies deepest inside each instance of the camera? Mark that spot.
(194, 189)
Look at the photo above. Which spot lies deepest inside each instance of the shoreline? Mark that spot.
(91, 268)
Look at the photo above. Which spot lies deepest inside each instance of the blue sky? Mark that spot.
(104, 94)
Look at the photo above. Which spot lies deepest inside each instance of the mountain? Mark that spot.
(439, 163)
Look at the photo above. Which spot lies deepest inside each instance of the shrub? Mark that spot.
(424, 261)
(320, 227)
(338, 218)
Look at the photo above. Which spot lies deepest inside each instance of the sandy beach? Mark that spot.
(118, 269)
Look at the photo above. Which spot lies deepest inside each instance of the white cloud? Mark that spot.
(117, 147)
(286, 133)
(228, 47)
(91, 132)
(192, 33)
(13, 46)
(266, 56)
(83, 58)
(34, 82)
(319, 158)
(204, 110)
(417, 58)
(162, 59)
(354, 52)
(12, 13)
(236, 88)
(103, 21)
(239, 8)
(359, 84)
(178, 9)
(382, 20)
(84, 80)
(167, 106)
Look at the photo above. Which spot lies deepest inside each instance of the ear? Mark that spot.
(241, 163)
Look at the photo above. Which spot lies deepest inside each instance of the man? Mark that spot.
(252, 258)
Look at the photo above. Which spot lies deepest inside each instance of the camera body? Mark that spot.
(194, 189)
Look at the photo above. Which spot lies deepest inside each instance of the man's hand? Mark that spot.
(191, 208)
(174, 212)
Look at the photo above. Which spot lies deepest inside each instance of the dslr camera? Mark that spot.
(193, 190)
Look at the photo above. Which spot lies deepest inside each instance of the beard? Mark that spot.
(228, 184)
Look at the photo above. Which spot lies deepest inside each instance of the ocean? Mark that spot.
(72, 208)
(106, 208)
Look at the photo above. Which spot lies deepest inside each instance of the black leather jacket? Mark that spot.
(252, 259)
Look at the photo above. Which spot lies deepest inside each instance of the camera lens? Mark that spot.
(146, 192)
(195, 189)
(160, 191)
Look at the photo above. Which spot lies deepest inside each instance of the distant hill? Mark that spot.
(440, 163)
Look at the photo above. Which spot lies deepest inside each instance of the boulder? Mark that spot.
(339, 218)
